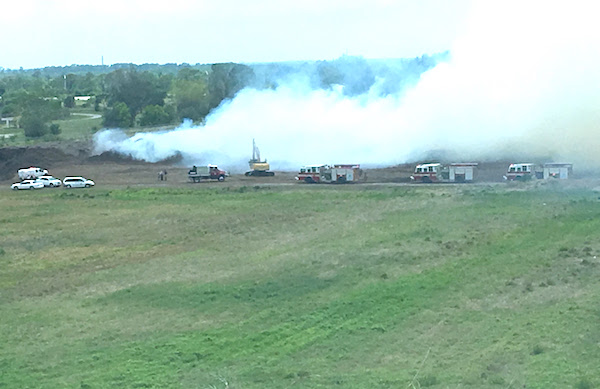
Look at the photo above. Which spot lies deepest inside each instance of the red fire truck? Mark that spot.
(436, 172)
(340, 173)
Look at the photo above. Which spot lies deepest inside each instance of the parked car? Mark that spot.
(49, 181)
(77, 182)
(27, 184)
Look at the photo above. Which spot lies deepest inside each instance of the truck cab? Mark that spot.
(427, 172)
(206, 172)
(520, 171)
(312, 173)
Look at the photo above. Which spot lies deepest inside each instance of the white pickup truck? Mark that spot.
(31, 173)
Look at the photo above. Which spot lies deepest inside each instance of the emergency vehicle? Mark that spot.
(436, 172)
(323, 173)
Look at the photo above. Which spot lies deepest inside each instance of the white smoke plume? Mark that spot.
(522, 80)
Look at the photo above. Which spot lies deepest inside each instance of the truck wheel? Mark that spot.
(426, 180)
(309, 180)
(87, 185)
(221, 178)
(341, 180)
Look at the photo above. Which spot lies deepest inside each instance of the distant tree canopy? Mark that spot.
(152, 94)
(136, 89)
(227, 79)
(153, 115)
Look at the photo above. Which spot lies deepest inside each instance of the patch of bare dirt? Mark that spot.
(112, 170)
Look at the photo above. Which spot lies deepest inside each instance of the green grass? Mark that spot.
(74, 128)
(78, 127)
(355, 287)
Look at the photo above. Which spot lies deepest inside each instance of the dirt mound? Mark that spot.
(112, 157)
(15, 158)
(58, 156)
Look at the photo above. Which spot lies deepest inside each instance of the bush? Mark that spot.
(69, 102)
(118, 116)
(34, 126)
(55, 129)
(154, 115)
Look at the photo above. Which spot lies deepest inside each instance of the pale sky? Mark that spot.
(39, 33)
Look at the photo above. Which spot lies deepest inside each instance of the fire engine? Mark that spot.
(331, 173)
(520, 172)
(436, 172)
(527, 171)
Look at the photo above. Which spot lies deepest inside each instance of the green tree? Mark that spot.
(191, 99)
(34, 126)
(37, 114)
(69, 102)
(135, 89)
(227, 79)
(55, 129)
(153, 115)
(118, 116)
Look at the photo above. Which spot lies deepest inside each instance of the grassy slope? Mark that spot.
(438, 287)
(75, 127)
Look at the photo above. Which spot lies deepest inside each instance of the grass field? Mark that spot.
(80, 126)
(301, 287)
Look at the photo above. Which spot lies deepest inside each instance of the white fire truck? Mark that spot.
(331, 173)
(528, 171)
(520, 172)
(436, 172)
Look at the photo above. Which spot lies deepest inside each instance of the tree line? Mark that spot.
(150, 95)
(126, 97)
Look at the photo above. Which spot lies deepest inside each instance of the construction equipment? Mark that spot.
(257, 167)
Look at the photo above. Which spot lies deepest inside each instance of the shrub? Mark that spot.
(55, 129)
(537, 349)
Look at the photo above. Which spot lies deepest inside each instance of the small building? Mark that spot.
(557, 170)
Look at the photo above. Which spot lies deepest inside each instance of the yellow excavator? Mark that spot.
(258, 168)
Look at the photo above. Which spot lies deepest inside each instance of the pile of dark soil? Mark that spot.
(15, 158)
(52, 157)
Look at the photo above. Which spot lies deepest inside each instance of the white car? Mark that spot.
(27, 184)
(77, 182)
(49, 181)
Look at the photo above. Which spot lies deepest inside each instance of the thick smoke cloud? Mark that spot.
(521, 83)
